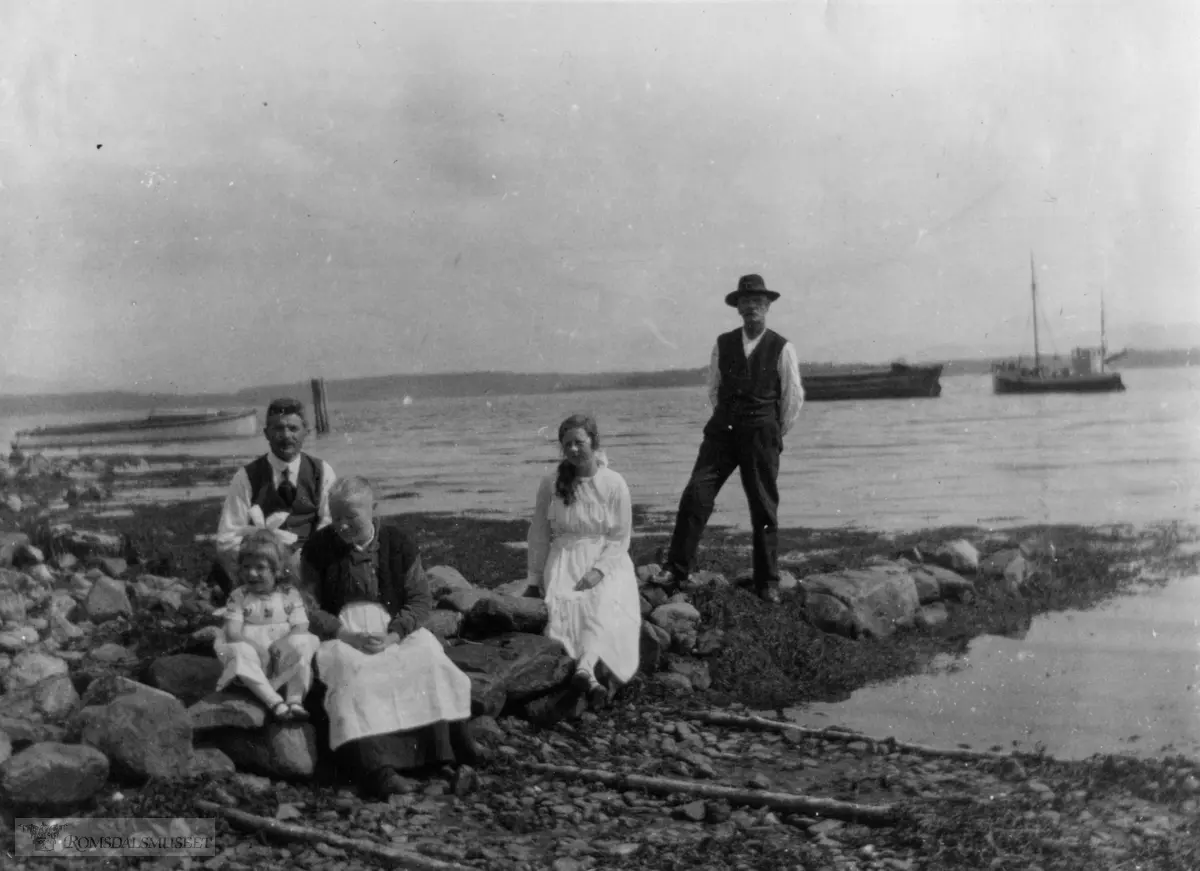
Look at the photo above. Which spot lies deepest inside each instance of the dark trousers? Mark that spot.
(754, 451)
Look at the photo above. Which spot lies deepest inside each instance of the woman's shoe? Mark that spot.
(388, 782)
(582, 681)
(597, 696)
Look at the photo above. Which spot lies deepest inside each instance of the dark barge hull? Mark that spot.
(895, 382)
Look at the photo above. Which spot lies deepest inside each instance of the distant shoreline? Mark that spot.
(466, 384)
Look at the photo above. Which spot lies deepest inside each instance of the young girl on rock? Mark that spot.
(266, 644)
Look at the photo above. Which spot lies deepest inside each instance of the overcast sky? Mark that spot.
(211, 195)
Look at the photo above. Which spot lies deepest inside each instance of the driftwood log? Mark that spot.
(391, 857)
(762, 724)
(790, 802)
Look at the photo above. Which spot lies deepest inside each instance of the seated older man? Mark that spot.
(393, 699)
(284, 489)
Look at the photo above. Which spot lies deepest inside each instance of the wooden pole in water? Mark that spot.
(320, 412)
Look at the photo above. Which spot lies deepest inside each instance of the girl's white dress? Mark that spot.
(267, 619)
(565, 541)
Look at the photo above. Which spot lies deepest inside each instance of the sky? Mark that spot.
(205, 196)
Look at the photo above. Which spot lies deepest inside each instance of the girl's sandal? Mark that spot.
(297, 711)
(281, 712)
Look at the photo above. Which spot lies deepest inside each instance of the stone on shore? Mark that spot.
(53, 774)
(5, 747)
(145, 732)
(444, 580)
(186, 676)
(17, 639)
(53, 698)
(10, 544)
(959, 556)
(30, 667)
(681, 620)
(12, 608)
(287, 751)
(942, 583)
(497, 614)
(993, 565)
(211, 762)
(230, 709)
(873, 601)
(654, 644)
(107, 600)
(1016, 573)
(514, 667)
(445, 623)
(87, 543)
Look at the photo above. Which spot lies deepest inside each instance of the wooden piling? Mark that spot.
(320, 411)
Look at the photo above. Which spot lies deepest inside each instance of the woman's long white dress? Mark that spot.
(565, 541)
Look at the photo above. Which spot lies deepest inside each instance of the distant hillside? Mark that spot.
(468, 384)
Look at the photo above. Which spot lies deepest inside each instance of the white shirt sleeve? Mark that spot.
(539, 534)
(234, 516)
(793, 389)
(324, 518)
(714, 376)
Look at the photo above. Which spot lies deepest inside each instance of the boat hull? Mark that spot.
(152, 430)
(1106, 382)
(896, 382)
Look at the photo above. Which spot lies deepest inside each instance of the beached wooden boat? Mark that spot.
(898, 381)
(184, 425)
(1085, 374)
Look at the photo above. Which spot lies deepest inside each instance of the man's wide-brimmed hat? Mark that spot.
(747, 285)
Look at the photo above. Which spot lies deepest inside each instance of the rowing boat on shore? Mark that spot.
(183, 425)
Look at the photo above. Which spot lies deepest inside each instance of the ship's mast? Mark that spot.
(1103, 342)
(1037, 361)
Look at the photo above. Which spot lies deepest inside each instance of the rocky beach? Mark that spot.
(107, 669)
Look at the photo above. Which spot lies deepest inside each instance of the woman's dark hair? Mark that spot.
(564, 484)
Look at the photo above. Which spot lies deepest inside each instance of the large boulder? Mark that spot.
(287, 751)
(513, 667)
(145, 732)
(53, 774)
(53, 698)
(186, 676)
(876, 600)
(496, 614)
(17, 639)
(30, 667)
(959, 555)
(935, 583)
(232, 709)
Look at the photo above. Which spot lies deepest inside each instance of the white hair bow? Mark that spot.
(274, 523)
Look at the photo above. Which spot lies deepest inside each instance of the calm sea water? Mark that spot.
(968, 457)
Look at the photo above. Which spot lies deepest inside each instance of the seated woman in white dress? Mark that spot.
(393, 700)
(266, 645)
(579, 558)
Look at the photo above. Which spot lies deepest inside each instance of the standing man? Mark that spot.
(289, 487)
(755, 391)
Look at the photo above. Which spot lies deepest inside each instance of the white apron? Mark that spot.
(407, 686)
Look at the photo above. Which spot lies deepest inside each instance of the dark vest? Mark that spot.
(302, 518)
(750, 392)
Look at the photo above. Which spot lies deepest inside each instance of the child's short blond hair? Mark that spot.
(262, 542)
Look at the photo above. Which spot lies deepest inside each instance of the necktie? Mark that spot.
(287, 490)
